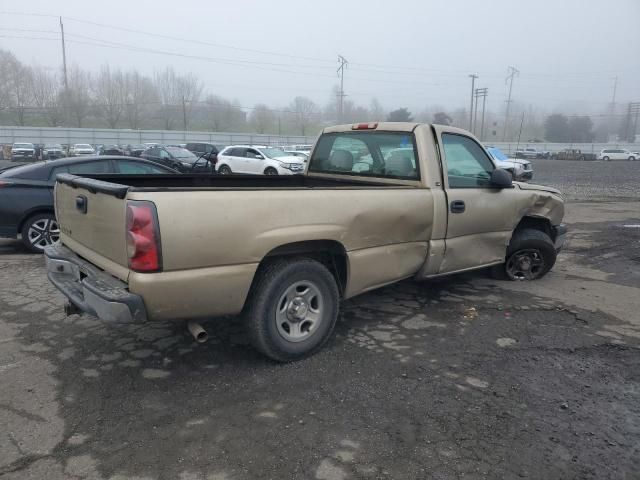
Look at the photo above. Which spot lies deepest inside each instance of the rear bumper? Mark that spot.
(559, 236)
(92, 290)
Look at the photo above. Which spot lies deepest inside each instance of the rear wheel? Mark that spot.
(40, 231)
(224, 170)
(530, 256)
(292, 310)
(270, 171)
(606, 159)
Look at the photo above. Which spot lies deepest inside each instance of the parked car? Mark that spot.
(26, 193)
(616, 154)
(301, 148)
(112, 150)
(288, 249)
(574, 154)
(178, 158)
(53, 151)
(134, 150)
(23, 152)
(295, 153)
(258, 160)
(519, 168)
(530, 152)
(208, 151)
(79, 149)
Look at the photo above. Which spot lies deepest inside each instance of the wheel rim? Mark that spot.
(225, 170)
(299, 311)
(43, 232)
(270, 171)
(525, 265)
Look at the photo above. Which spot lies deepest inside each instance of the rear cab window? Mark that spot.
(368, 154)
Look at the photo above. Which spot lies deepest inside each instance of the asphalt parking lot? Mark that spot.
(466, 377)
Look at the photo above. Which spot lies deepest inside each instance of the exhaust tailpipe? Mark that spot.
(199, 334)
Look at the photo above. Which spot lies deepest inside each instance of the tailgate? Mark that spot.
(92, 219)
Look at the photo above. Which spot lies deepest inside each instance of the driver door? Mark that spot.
(480, 216)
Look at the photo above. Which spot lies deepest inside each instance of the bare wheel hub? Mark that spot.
(299, 311)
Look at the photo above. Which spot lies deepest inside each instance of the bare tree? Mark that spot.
(261, 118)
(376, 111)
(303, 110)
(223, 115)
(8, 62)
(139, 95)
(47, 95)
(177, 95)
(20, 90)
(109, 95)
(77, 98)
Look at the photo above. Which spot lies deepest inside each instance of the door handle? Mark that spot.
(458, 206)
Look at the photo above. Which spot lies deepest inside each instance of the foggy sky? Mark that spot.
(405, 53)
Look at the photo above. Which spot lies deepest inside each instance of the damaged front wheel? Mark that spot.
(531, 254)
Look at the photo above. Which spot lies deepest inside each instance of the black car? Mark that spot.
(26, 193)
(176, 157)
(208, 151)
(112, 150)
(134, 150)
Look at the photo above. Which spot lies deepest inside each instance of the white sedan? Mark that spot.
(258, 160)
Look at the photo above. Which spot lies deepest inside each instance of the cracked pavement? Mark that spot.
(464, 377)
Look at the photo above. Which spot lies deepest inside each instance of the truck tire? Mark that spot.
(530, 256)
(39, 231)
(292, 309)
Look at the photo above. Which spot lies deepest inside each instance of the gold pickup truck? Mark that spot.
(378, 203)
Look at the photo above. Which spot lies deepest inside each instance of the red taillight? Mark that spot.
(143, 237)
(364, 126)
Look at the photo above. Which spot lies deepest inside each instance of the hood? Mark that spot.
(22, 149)
(541, 188)
(291, 159)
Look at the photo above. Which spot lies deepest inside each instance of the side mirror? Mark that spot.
(259, 157)
(501, 178)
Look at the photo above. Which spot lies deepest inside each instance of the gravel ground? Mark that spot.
(590, 180)
(460, 378)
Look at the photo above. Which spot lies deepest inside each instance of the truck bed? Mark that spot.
(118, 185)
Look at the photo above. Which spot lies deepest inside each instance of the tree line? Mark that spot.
(170, 100)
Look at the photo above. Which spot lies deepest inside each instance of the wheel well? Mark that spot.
(536, 223)
(31, 213)
(330, 253)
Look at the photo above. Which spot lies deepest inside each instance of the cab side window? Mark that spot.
(468, 165)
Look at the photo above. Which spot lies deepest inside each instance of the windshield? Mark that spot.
(23, 145)
(53, 146)
(182, 154)
(274, 152)
(497, 153)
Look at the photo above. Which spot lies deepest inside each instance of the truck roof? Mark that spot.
(389, 127)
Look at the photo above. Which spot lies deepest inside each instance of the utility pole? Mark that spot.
(343, 64)
(615, 87)
(184, 113)
(473, 77)
(513, 72)
(634, 111)
(64, 57)
(480, 92)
